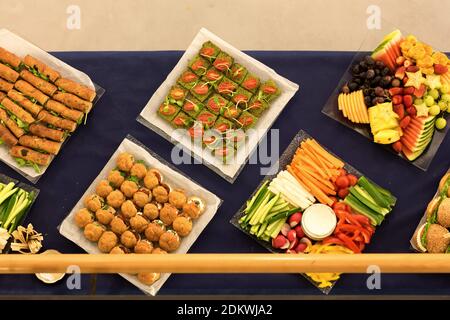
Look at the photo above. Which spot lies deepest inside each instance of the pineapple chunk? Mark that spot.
(382, 117)
(387, 136)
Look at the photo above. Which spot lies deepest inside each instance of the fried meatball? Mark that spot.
(103, 188)
(138, 170)
(191, 210)
(118, 225)
(128, 239)
(168, 214)
(150, 180)
(148, 278)
(128, 209)
(94, 202)
(105, 215)
(169, 241)
(129, 188)
(159, 251)
(436, 240)
(115, 199)
(138, 223)
(116, 178)
(125, 161)
(182, 226)
(160, 194)
(93, 231)
(83, 217)
(143, 246)
(155, 230)
(177, 198)
(443, 213)
(117, 250)
(107, 241)
(142, 197)
(151, 211)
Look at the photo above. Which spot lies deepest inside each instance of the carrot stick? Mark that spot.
(293, 171)
(319, 161)
(318, 178)
(335, 161)
(322, 197)
(318, 183)
(313, 164)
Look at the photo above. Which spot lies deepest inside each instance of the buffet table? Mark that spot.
(130, 78)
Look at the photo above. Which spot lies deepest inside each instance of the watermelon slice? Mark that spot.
(389, 49)
(417, 136)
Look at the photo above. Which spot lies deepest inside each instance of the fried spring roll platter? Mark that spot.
(38, 108)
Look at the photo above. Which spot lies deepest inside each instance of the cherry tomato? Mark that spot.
(250, 83)
(269, 89)
(177, 93)
(246, 120)
(189, 106)
(198, 64)
(222, 127)
(201, 89)
(179, 121)
(342, 193)
(240, 98)
(256, 105)
(225, 87)
(222, 64)
(342, 182)
(167, 110)
(195, 132)
(189, 77)
(212, 75)
(352, 179)
(207, 52)
(342, 172)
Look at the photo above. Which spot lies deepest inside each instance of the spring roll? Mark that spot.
(7, 137)
(8, 74)
(16, 110)
(30, 91)
(5, 85)
(73, 101)
(58, 122)
(10, 124)
(37, 143)
(30, 155)
(42, 68)
(76, 88)
(24, 102)
(46, 132)
(9, 58)
(44, 86)
(63, 111)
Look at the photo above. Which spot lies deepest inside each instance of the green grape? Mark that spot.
(418, 101)
(434, 110)
(446, 97)
(441, 123)
(445, 88)
(429, 101)
(442, 105)
(434, 93)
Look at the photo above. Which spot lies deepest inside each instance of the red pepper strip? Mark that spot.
(362, 219)
(367, 235)
(355, 235)
(349, 228)
(349, 243)
(333, 240)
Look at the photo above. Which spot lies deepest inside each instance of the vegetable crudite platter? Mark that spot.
(432, 234)
(217, 103)
(16, 200)
(42, 102)
(315, 203)
(140, 204)
(398, 96)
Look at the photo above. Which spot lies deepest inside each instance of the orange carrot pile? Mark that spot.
(316, 170)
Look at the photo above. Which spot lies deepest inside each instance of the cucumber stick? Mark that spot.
(358, 206)
(373, 191)
(364, 197)
(268, 208)
(255, 216)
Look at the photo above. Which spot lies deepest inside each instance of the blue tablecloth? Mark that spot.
(130, 78)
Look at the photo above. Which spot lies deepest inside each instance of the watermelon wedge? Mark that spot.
(417, 136)
(389, 49)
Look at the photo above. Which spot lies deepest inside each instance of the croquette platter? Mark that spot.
(217, 103)
(140, 204)
(42, 102)
(398, 96)
(314, 203)
(432, 235)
